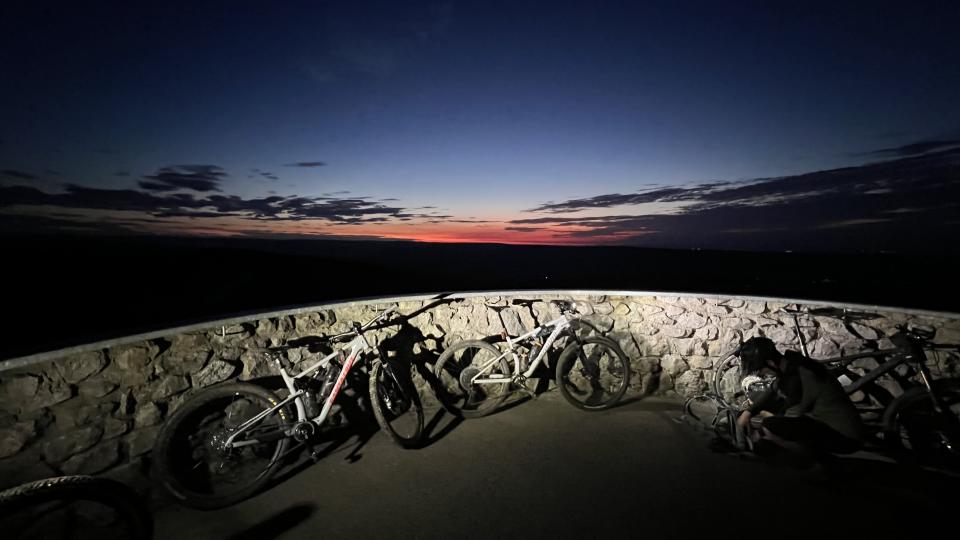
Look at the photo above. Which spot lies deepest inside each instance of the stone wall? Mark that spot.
(99, 411)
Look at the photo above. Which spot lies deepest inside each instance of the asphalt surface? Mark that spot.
(542, 469)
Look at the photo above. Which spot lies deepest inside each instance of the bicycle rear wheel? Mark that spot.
(396, 403)
(456, 368)
(74, 507)
(593, 374)
(194, 464)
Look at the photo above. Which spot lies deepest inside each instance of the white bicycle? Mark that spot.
(226, 442)
(474, 377)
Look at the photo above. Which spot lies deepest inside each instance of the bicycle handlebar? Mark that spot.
(565, 306)
(310, 341)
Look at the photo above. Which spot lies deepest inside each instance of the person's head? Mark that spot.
(758, 354)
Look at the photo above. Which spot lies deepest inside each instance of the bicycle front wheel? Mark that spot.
(396, 403)
(594, 374)
(74, 507)
(912, 425)
(193, 461)
(726, 382)
(455, 371)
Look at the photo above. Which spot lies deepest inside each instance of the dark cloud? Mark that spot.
(201, 178)
(19, 175)
(671, 194)
(306, 164)
(122, 173)
(905, 204)
(523, 229)
(912, 149)
(154, 186)
(159, 200)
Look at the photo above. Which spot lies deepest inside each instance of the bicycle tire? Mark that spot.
(165, 452)
(689, 410)
(447, 367)
(384, 384)
(129, 506)
(565, 366)
(897, 435)
(717, 385)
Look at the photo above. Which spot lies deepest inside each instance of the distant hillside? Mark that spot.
(67, 290)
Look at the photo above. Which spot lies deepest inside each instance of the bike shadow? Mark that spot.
(408, 347)
(356, 425)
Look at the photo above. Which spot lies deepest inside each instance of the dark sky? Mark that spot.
(564, 122)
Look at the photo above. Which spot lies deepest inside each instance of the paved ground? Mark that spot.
(543, 469)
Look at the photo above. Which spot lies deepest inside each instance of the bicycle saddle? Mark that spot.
(312, 343)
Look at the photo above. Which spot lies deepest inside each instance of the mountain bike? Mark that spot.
(226, 442)
(74, 507)
(474, 377)
(922, 422)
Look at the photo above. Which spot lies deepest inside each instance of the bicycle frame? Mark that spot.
(560, 326)
(902, 354)
(357, 346)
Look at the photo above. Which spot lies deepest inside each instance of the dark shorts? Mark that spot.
(811, 433)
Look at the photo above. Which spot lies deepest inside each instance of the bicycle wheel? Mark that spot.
(74, 507)
(912, 427)
(458, 365)
(703, 408)
(396, 403)
(192, 461)
(726, 382)
(593, 374)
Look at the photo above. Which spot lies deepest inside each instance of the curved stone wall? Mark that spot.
(99, 408)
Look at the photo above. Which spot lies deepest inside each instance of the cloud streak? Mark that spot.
(19, 175)
(202, 178)
(849, 208)
(912, 149)
(307, 164)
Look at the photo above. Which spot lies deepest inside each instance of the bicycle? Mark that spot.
(474, 377)
(226, 442)
(922, 422)
(74, 507)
